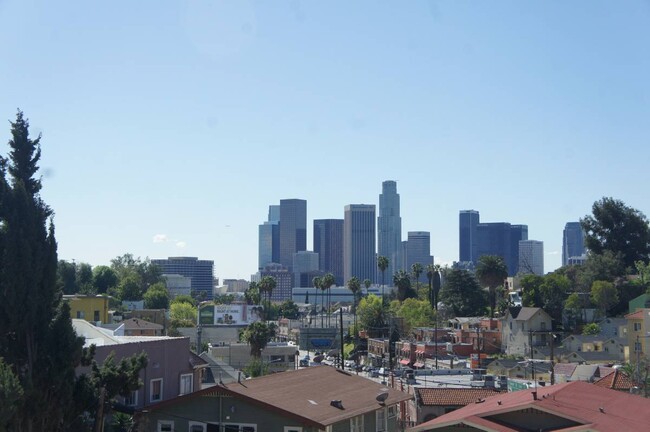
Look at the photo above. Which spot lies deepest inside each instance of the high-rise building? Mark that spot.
(468, 221)
(359, 242)
(573, 242)
(389, 226)
(269, 238)
(492, 238)
(305, 268)
(328, 244)
(283, 281)
(293, 229)
(201, 272)
(418, 250)
(531, 257)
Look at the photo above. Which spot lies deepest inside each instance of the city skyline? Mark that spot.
(168, 130)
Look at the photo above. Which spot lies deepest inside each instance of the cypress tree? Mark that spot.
(36, 336)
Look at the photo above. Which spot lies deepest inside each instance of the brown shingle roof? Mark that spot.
(453, 396)
(140, 324)
(616, 380)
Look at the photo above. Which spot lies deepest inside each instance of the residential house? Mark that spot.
(610, 348)
(138, 327)
(92, 308)
(613, 327)
(638, 334)
(616, 380)
(312, 399)
(432, 402)
(522, 326)
(574, 406)
(172, 369)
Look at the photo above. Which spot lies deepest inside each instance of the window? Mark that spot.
(356, 424)
(292, 429)
(132, 399)
(543, 325)
(380, 420)
(239, 427)
(80, 315)
(637, 326)
(155, 390)
(186, 383)
(165, 426)
(96, 316)
(197, 427)
(392, 412)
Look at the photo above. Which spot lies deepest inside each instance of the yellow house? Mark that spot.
(88, 307)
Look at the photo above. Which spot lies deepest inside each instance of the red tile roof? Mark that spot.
(616, 380)
(453, 396)
(594, 407)
(636, 315)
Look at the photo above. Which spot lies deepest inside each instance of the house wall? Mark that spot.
(167, 359)
(516, 341)
(86, 307)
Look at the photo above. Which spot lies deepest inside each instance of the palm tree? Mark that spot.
(431, 270)
(491, 271)
(326, 283)
(266, 285)
(403, 283)
(416, 268)
(367, 283)
(316, 284)
(382, 263)
(355, 286)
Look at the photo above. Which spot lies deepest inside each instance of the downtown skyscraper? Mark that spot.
(359, 242)
(269, 239)
(573, 242)
(418, 250)
(293, 229)
(389, 225)
(328, 244)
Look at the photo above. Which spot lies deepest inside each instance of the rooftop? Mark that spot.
(453, 396)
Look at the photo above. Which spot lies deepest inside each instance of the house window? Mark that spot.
(292, 429)
(380, 420)
(356, 424)
(96, 316)
(543, 326)
(165, 426)
(392, 412)
(186, 383)
(197, 427)
(239, 427)
(80, 315)
(156, 390)
(132, 399)
(637, 326)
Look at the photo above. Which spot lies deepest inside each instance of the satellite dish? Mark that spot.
(381, 397)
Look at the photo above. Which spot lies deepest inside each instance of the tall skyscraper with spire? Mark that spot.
(389, 225)
(573, 242)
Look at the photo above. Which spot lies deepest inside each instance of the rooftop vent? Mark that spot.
(336, 403)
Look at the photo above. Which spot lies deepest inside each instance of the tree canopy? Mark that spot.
(615, 227)
(491, 271)
(462, 293)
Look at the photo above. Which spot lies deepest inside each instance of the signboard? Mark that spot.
(206, 315)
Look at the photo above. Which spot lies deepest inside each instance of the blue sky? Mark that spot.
(182, 121)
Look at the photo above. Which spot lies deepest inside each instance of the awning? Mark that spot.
(420, 350)
(405, 362)
(418, 364)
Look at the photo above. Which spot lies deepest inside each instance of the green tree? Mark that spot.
(184, 298)
(315, 282)
(129, 289)
(491, 271)
(604, 295)
(11, 393)
(143, 271)
(37, 340)
(258, 335)
(66, 274)
(182, 314)
(591, 329)
(554, 291)
(416, 313)
(156, 297)
(462, 294)
(289, 309)
(615, 227)
(416, 269)
(104, 278)
(266, 285)
(531, 290)
(382, 264)
(370, 313)
(326, 283)
(402, 281)
(252, 294)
